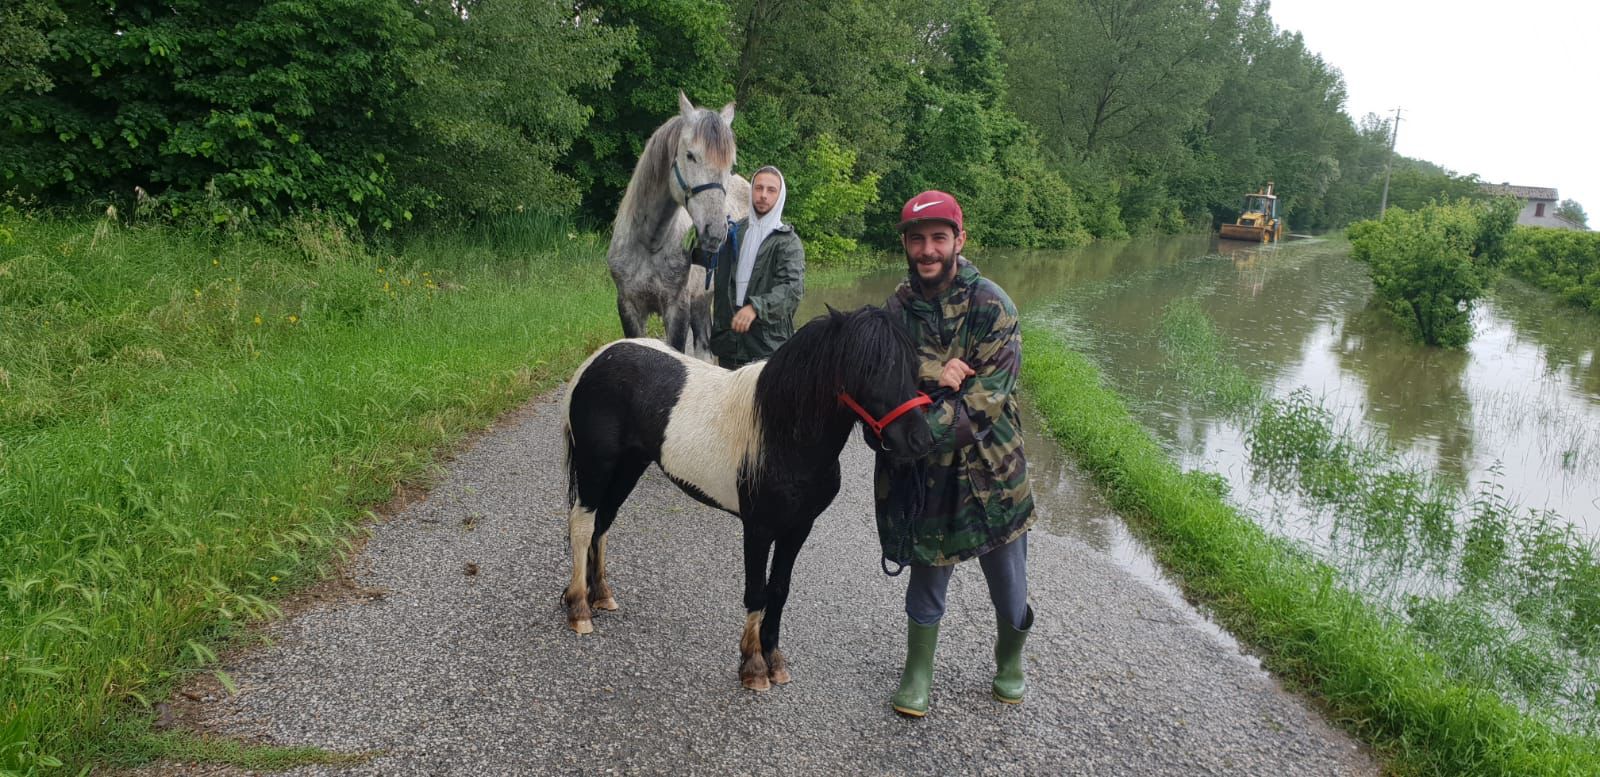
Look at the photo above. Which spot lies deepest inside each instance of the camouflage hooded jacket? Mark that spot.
(978, 496)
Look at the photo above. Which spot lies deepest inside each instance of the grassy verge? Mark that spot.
(1372, 672)
(191, 427)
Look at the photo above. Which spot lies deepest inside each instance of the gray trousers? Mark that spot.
(1005, 569)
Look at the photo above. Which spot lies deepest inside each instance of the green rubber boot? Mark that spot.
(1009, 681)
(917, 678)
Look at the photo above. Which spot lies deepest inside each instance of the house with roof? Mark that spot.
(1538, 204)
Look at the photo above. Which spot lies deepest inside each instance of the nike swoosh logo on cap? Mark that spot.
(918, 208)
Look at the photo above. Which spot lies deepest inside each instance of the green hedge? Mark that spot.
(1563, 261)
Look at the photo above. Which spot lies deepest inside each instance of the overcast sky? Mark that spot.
(1506, 90)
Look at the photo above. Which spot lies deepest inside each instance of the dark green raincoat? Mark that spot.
(978, 496)
(777, 282)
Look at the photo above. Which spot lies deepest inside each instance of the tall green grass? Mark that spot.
(1509, 598)
(1196, 351)
(1376, 676)
(191, 426)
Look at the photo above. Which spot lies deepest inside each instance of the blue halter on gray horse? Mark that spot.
(682, 182)
(761, 442)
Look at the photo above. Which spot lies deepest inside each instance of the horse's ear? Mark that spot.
(832, 311)
(684, 106)
(727, 114)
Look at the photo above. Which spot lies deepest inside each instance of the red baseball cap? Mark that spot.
(931, 205)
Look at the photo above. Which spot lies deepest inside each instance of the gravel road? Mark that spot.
(451, 673)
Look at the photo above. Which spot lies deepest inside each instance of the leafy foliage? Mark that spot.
(1053, 121)
(827, 205)
(368, 111)
(1572, 211)
(1429, 265)
(673, 45)
(1563, 261)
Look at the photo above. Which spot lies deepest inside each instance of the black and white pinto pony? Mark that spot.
(761, 442)
(683, 181)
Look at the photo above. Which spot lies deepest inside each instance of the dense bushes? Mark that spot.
(1429, 265)
(372, 112)
(1563, 261)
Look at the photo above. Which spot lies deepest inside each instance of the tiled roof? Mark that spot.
(1520, 192)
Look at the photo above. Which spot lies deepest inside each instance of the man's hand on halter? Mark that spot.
(955, 372)
(743, 319)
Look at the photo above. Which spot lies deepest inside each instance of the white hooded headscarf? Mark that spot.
(756, 233)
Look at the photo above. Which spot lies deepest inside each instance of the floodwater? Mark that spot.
(1519, 409)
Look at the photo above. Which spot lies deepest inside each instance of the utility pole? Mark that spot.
(1394, 132)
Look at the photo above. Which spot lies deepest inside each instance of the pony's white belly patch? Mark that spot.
(710, 431)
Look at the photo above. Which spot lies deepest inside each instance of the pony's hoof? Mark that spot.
(608, 603)
(779, 675)
(584, 626)
(757, 683)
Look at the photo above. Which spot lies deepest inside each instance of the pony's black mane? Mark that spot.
(855, 352)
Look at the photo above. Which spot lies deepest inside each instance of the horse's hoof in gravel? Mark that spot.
(757, 683)
(608, 603)
(777, 667)
(584, 626)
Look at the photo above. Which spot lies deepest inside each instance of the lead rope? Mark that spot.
(908, 496)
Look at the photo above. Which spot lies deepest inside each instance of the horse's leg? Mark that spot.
(752, 665)
(580, 532)
(633, 315)
(600, 595)
(700, 326)
(783, 559)
(676, 320)
(623, 479)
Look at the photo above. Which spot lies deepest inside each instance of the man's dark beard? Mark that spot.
(945, 266)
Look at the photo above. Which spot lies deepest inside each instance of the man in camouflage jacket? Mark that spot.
(977, 503)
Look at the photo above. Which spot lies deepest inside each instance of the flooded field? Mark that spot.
(1520, 407)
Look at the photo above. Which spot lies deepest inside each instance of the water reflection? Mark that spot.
(1414, 396)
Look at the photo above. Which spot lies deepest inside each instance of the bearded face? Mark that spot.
(931, 251)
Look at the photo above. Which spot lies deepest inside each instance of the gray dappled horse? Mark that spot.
(761, 442)
(682, 182)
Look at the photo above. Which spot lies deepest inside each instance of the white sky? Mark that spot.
(1504, 90)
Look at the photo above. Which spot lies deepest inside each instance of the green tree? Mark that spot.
(266, 105)
(962, 137)
(1103, 75)
(675, 45)
(370, 112)
(826, 204)
(23, 44)
(840, 68)
(1570, 210)
(496, 104)
(1430, 265)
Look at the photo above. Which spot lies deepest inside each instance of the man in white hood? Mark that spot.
(759, 278)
